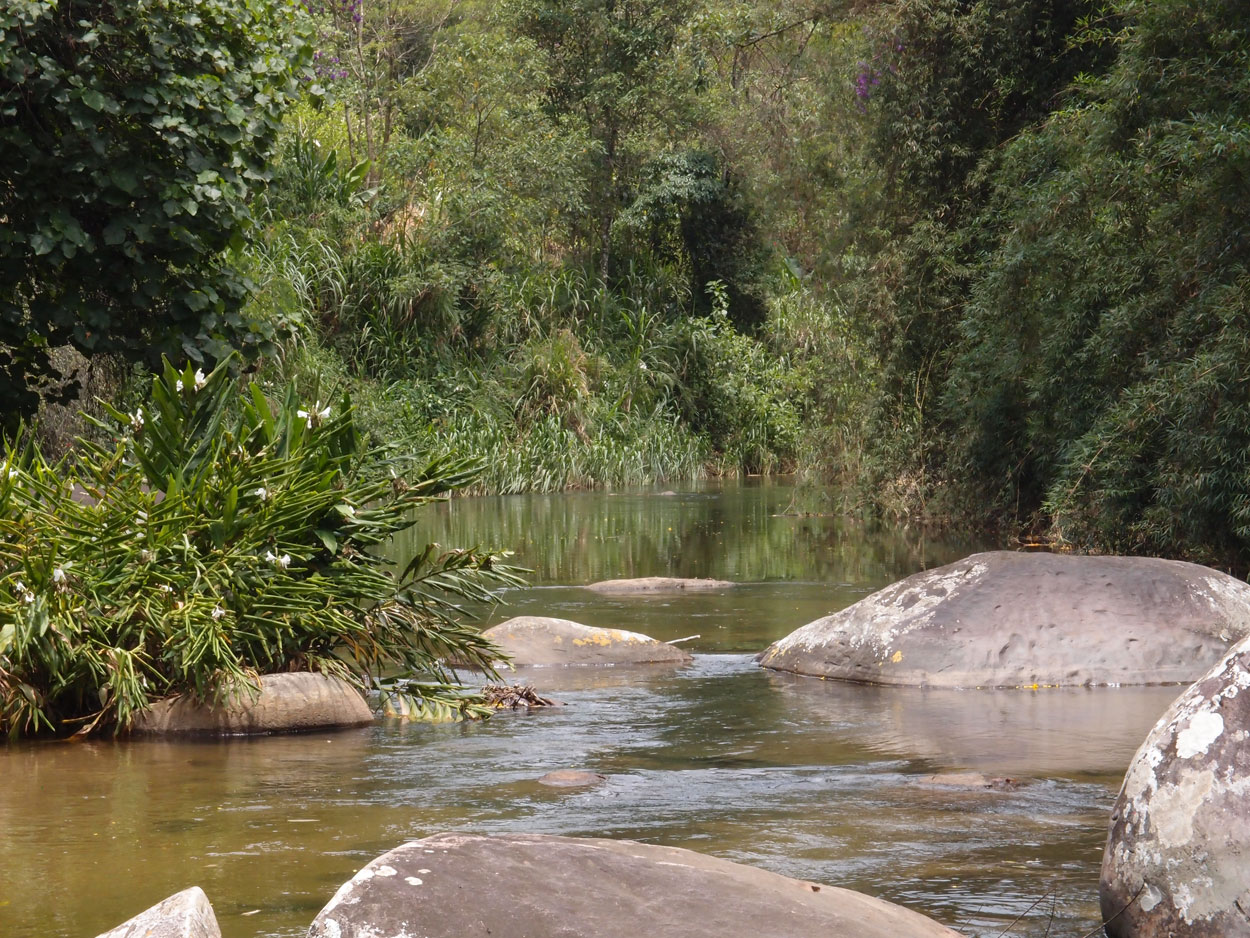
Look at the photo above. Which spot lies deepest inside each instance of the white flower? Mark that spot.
(218, 612)
(178, 385)
(200, 380)
(318, 414)
(58, 575)
(642, 366)
(280, 562)
(262, 493)
(146, 556)
(136, 420)
(12, 472)
(20, 588)
(165, 588)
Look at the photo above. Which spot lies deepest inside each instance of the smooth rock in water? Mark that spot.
(1177, 860)
(536, 886)
(187, 914)
(287, 703)
(1007, 619)
(536, 640)
(571, 778)
(657, 584)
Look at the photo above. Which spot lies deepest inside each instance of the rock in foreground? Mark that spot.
(470, 886)
(1177, 860)
(657, 584)
(536, 640)
(287, 703)
(187, 914)
(1006, 619)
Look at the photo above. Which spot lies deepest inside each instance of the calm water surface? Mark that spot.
(805, 777)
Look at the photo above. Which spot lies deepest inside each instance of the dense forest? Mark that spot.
(975, 263)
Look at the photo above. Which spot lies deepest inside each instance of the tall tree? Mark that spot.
(616, 67)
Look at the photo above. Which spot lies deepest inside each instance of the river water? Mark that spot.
(809, 778)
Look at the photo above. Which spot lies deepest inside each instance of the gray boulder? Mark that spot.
(1177, 860)
(537, 640)
(187, 914)
(286, 703)
(470, 886)
(657, 584)
(1006, 619)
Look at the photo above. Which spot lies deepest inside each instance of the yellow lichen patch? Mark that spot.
(896, 657)
(598, 638)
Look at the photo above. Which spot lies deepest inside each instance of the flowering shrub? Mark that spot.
(214, 544)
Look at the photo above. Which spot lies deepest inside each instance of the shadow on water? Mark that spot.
(809, 778)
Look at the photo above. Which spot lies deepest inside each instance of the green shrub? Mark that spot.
(734, 389)
(212, 543)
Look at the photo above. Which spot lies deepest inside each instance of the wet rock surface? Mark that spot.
(657, 584)
(1177, 860)
(187, 914)
(537, 640)
(1007, 619)
(286, 703)
(470, 886)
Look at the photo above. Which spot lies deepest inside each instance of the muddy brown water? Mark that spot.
(809, 778)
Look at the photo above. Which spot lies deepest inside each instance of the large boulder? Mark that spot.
(657, 584)
(1177, 860)
(537, 640)
(187, 914)
(470, 886)
(285, 703)
(1006, 619)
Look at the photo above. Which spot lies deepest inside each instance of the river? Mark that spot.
(808, 778)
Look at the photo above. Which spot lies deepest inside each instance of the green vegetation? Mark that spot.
(1052, 251)
(207, 545)
(969, 262)
(134, 136)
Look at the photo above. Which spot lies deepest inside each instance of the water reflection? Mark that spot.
(738, 530)
(1053, 732)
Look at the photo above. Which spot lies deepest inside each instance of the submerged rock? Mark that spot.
(187, 914)
(536, 640)
(657, 584)
(471, 886)
(970, 781)
(571, 778)
(1006, 619)
(1177, 860)
(286, 703)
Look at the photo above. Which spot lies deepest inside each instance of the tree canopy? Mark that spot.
(134, 133)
